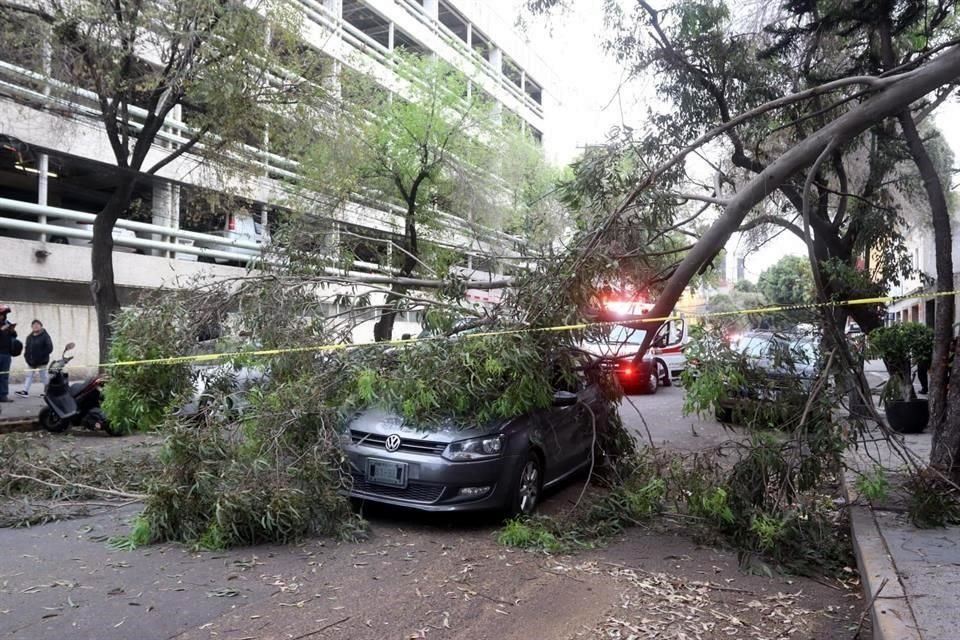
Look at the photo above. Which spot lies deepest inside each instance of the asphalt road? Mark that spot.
(416, 577)
(658, 420)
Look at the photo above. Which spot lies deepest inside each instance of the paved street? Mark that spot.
(416, 577)
(659, 420)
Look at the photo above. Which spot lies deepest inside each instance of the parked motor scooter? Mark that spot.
(73, 404)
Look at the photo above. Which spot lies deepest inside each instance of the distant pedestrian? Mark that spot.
(8, 347)
(37, 354)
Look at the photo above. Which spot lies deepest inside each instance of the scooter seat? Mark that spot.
(77, 387)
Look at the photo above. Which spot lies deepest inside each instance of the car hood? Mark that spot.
(385, 423)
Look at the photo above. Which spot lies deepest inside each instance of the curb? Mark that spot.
(890, 610)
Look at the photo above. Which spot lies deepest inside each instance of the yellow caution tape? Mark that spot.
(214, 357)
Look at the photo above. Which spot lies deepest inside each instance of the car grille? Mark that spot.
(414, 491)
(427, 447)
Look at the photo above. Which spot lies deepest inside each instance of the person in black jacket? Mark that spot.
(37, 354)
(7, 335)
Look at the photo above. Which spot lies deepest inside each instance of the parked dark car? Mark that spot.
(781, 367)
(503, 466)
(617, 350)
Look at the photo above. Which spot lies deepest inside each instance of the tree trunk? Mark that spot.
(946, 426)
(945, 454)
(102, 285)
(383, 329)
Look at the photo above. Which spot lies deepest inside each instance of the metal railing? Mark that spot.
(454, 41)
(176, 133)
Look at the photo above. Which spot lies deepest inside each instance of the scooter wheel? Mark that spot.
(51, 421)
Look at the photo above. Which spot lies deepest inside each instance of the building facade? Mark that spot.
(50, 194)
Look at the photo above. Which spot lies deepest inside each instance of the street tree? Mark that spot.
(430, 146)
(231, 71)
(728, 308)
(789, 282)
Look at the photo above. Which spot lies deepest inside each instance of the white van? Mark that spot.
(667, 346)
(241, 227)
(667, 349)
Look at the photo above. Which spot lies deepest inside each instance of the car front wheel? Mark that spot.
(526, 493)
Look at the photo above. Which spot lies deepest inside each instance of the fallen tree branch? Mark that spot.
(137, 497)
(866, 609)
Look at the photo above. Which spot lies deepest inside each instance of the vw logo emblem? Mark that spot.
(392, 443)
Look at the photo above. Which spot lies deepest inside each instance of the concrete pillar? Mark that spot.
(496, 59)
(163, 213)
(432, 8)
(470, 35)
(43, 185)
(391, 32)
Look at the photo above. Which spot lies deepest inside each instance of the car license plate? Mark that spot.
(393, 474)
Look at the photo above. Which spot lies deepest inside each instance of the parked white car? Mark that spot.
(118, 234)
(238, 227)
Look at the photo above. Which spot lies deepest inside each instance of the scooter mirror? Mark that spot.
(69, 346)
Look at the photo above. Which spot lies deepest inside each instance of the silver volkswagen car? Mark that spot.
(505, 466)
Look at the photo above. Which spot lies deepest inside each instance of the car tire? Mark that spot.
(51, 422)
(664, 373)
(527, 487)
(653, 383)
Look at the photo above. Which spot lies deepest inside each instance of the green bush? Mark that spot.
(138, 397)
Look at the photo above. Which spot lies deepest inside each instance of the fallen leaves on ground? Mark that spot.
(663, 606)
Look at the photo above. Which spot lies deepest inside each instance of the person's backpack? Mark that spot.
(16, 347)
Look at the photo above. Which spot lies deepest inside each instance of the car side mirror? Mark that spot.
(564, 399)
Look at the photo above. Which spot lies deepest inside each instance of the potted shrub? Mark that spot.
(900, 346)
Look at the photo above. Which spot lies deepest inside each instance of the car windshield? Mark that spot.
(804, 350)
(620, 334)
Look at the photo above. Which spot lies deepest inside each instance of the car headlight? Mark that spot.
(474, 449)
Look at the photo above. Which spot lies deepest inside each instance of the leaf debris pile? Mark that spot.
(663, 606)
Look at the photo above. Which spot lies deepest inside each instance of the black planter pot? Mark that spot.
(910, 416)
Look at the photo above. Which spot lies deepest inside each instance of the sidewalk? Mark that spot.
(21, 408)
(918, 569)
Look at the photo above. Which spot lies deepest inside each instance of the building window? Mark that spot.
(406, 42)
(512, 72)
(534, 91)
(453, 21)
(481, 45)
(367, 21)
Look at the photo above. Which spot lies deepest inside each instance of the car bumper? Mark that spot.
(434, 483)
(630, 375)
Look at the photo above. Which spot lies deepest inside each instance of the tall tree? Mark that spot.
(429, 146)
(235, 69)
(789, 282)
(799, 114)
